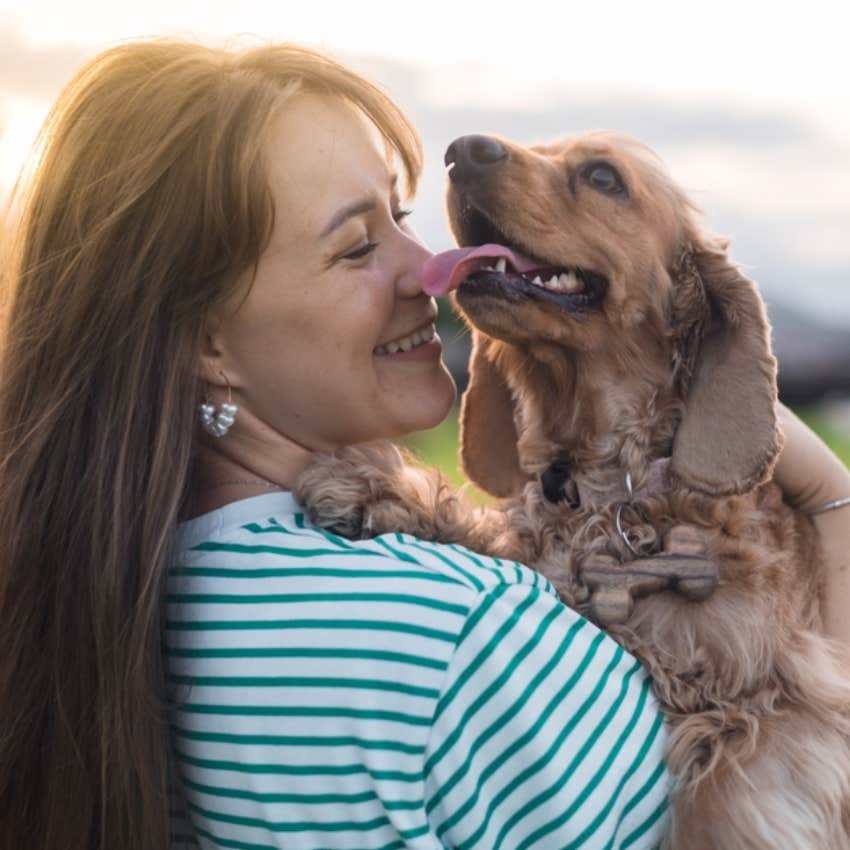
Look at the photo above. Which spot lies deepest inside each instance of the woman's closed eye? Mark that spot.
(364, 250)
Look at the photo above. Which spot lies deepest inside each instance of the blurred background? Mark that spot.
(747, 102)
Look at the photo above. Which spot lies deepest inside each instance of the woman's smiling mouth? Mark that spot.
(404, 344)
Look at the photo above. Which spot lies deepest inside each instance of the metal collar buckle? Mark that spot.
(618, 516)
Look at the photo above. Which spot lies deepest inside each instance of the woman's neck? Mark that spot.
(239, 465)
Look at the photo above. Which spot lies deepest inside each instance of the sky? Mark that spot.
(783, 55)
(746, 101)
(781, 52)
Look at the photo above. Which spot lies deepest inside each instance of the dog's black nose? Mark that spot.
(472, 157)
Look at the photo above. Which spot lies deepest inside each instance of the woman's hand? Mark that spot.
(811, 476)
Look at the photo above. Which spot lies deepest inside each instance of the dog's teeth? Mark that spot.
(537, 281)
(501, 265)
(553, 282)
(570, 282)
(487, 269)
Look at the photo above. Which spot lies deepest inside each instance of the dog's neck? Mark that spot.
(602, 417)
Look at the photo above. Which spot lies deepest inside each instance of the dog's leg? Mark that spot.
(364, 491)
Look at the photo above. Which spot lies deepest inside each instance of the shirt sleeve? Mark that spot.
(546, 734)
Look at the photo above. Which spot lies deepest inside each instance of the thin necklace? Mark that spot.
(258, 481)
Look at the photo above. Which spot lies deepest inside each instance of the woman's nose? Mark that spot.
(410, 277)
(472, 157)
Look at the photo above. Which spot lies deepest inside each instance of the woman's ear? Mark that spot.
(728, 438)
(212, 360)
(488, 435)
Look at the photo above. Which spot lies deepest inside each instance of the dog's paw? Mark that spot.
(339, 490)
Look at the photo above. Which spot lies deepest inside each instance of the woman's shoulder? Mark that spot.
(272, 531)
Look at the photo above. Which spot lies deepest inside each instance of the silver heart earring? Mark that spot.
(218, 422)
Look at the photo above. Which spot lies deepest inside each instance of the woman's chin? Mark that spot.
(431, 404)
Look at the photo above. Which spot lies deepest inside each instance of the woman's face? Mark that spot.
(327, 348)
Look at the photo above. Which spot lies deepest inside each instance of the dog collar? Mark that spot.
(559, 485)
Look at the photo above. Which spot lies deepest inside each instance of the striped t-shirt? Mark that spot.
(395, 693)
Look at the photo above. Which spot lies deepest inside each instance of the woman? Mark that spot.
(224, 228)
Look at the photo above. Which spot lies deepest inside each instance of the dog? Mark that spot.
(622, 405)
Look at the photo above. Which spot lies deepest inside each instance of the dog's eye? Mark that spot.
(604, 178)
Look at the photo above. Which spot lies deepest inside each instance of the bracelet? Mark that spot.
(829, 506)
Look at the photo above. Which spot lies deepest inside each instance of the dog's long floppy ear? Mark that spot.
(488, 435)
(728, 438)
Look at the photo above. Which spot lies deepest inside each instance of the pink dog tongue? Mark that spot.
(444, 272)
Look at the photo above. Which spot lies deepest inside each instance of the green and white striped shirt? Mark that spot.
(395, 693)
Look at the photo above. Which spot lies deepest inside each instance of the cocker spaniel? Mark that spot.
(622, 406)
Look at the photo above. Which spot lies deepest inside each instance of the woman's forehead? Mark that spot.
(323, 153)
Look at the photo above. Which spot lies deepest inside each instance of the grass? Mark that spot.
(837, 438)
(439, 446)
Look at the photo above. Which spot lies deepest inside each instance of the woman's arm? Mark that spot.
(812, 476)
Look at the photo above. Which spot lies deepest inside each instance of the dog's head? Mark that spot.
(604, 264)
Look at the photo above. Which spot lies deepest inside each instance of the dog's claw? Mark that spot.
(614, 586)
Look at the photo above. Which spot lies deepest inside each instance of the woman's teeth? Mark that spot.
(405, 343)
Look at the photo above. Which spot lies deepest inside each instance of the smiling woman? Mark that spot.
(214, 279)
(335, 320)
(158, 195)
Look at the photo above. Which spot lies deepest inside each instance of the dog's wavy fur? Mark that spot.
(675, 362)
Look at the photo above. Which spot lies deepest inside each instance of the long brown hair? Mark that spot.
(146, 205)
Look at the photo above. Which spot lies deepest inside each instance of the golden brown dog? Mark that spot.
(622, 391)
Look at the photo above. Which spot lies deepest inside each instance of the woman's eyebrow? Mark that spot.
(355, 208)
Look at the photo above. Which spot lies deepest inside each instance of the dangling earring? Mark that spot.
(218, 423)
